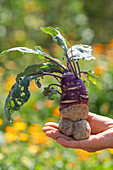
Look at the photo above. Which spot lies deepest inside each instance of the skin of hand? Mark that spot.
(101, 134)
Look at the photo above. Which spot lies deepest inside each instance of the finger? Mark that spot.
(69, 143)
(55, 134)
(86, 144)
(47, 128)
(53, 124)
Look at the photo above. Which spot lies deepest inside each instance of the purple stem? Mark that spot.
(55, 85)
(71, 66)
(78, 68)
(59, 92)
(43, 74)
(64, 68)
(73, 61)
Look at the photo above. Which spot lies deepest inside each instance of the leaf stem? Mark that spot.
(71, 66)
(63, 67)
(44, 74)
(55, 85)
(78, 68)
(73, 61)
(59, 92)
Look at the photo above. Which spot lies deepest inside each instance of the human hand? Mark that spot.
(101, 134)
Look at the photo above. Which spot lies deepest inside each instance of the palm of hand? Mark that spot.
(100, 138)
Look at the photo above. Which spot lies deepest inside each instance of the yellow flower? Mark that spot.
(83, 155)
(33, 149)
(56, 112)
(34, 128)
(50, 120)
(20, 126)
(33, 86)
(39, 137)
(98, 69)
(9, 137)
(49, 103)
(110, 150)
(23, 137)
(11, 129)
(1, 121)
(9, 82)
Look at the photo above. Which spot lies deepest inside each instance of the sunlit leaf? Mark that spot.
(94, 79)
(39, 52)
(57, 37)
(80, 52)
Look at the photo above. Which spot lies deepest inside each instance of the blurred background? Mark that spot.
(23, 145)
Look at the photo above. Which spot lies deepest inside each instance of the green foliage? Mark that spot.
(94, 79)
(49, 92)
(18, 95)
(57, 37)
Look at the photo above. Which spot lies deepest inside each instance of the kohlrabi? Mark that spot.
(73, 92)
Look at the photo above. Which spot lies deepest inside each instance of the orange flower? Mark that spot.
(49, 103)
(56, 112)
(98, 48)
(20, 126)
(9, 137)
(39, 138)
(1, 121)
(50, 120)
(83, 155)
(98, 69)
(9, 82)
(34, 128)
(110, 151)
(23, 137)
(33, 149)
(11, 129)
(33, 86)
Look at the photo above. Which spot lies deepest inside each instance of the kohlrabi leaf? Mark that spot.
(80, 52)
(94, 79)
(37, 81)
(18, 95)
(39, 52)
(85, 81)
(49, 92)
(57, 37)
(37, 70)
(24, 50)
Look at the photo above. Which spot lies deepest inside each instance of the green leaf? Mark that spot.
(80, 52)
(18, 95)
(39, 52)
(85, 81)
(94, 79)
(39, 68)
(25, 50)
(49, 92)
(37, 81)
(57, 37)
